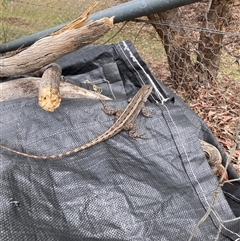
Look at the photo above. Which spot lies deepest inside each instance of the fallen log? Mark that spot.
(49, 96)
(29, 87)
(48, 49)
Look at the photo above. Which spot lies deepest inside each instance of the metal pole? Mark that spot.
(123, 12)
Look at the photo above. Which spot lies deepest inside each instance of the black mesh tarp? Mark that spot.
(157, 188)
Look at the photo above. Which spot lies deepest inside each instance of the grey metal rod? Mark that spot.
(122, 12)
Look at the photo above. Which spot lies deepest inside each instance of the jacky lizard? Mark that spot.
(124, 121)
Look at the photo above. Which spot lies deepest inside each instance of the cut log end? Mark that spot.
(49, 99)
(49, 96)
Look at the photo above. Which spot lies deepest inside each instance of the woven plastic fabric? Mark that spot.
(157, 188)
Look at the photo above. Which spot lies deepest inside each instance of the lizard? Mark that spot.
(215, 160)
(124, 121)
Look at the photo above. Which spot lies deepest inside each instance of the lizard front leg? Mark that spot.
(132, 127)
(109, 111)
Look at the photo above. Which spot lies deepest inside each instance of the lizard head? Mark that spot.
(146, 90)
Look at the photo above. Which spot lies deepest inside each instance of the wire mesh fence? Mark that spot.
(194, 50)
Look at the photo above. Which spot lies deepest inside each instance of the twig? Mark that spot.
(116, 33)
(235, 145)
(205, 216)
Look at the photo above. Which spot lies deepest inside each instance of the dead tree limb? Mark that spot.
(51, 48)
(49, 96)
(29, 87)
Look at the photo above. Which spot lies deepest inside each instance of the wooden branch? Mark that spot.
(51, 48)
(77, 23)
(29, 87)
(49, 96)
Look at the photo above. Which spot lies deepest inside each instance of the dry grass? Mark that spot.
(21, 18)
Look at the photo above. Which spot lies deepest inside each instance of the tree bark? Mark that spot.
(210, 43)
(175, 45)
(51, 48)
(176, 41)
(49, 96)
(29, 87)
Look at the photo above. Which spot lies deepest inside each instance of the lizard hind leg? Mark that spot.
(146, 112)
(131, 127)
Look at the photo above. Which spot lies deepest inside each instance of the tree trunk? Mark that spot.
(210, 43)
(177, 44)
